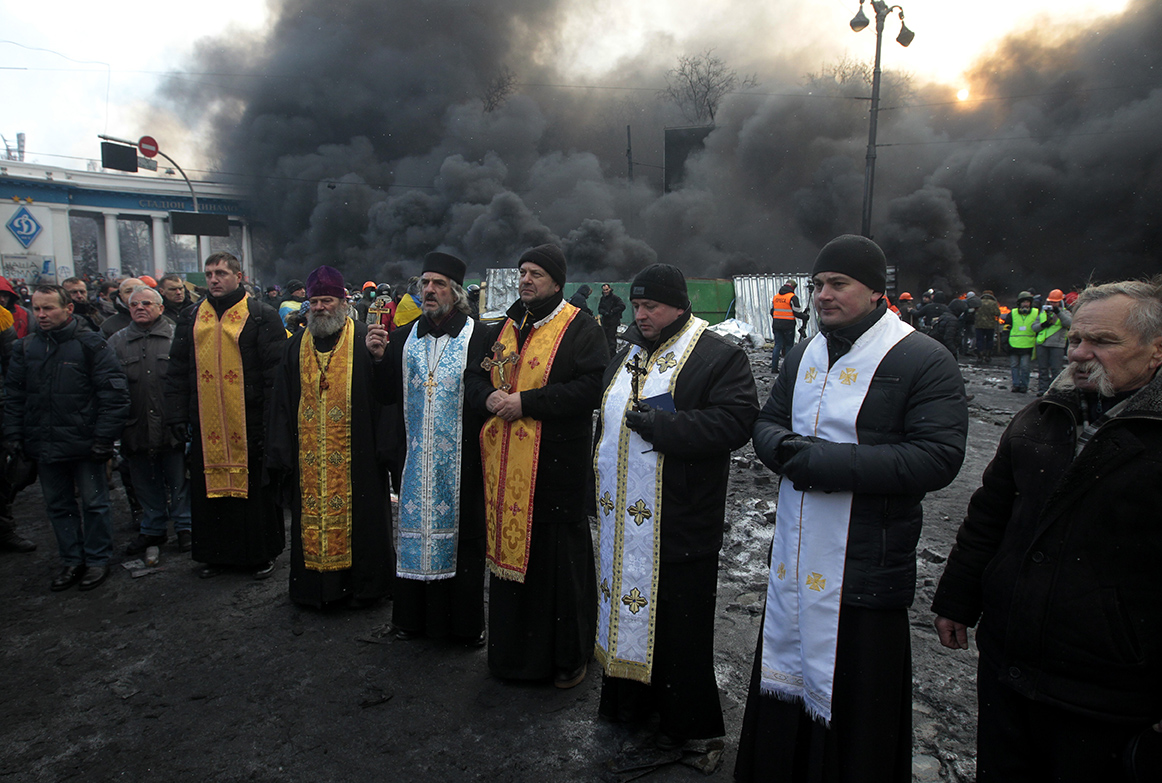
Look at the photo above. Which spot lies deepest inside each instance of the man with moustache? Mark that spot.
(1057, 560)
(866, 417)
(223, 362)
(661, 475)
(321, 452)
(439, 534)
(540, 386)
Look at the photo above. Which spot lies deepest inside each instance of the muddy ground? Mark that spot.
(174, 678)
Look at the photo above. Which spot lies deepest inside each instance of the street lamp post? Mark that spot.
(859, 22)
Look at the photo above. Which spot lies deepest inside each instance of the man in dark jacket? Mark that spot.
(538, 394)
(84, 309)
(175, 296)
(67, 401)
(1058, 559)
(661, 476)
(157, 460)
(609, 310)
(223, 362)
(867, 417)
(580, 299)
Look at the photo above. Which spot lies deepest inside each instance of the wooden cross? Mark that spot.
(499, 362)
(637, 372)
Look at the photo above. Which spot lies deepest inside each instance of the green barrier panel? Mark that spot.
(710, 298)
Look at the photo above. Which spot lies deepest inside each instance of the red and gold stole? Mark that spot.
(222, 399)
(511, 449)
(325, 451)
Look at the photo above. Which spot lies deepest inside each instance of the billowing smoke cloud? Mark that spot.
(360, 129)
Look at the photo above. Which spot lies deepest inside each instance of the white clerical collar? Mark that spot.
(560, 306)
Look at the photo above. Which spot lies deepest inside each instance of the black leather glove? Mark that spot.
(180, 433)
(793, 444)
(102, 451)
(642, 422)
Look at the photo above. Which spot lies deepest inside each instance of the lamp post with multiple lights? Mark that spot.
(859, 22)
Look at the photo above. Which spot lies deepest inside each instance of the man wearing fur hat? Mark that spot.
(321, 452)
(539, 386)
(678, 399)
(867, 417)
(223, 361)
(439, 535)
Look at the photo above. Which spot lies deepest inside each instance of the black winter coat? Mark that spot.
(144, 356)
(912, 429)
(65, 392)
(1058, 558)
(716, 406)
(261, 343)
(564, 406)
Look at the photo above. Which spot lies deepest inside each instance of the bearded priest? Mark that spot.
(322, 455)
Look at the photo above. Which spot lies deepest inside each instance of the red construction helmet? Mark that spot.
(149, 281)
(1056, 295)
(368, 284)
(904, 297)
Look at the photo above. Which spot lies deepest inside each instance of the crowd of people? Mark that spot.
(501, 440)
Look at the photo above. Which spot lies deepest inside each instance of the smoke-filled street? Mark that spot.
(369, 136)
(171, 677)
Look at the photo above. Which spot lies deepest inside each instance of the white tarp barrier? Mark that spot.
(753, 295)
(501, 289)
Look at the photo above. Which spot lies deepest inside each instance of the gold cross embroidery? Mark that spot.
(848, 376)
(606, 503)
(816, 582)
(781, 571)
(639, 512)
(635, 601)
(809, 376)
(667, 362)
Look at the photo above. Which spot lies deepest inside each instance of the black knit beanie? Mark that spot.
(548, 257)
(662, 283)
(857, 257)
(445, 264)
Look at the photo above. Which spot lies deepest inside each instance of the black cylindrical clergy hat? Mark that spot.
(445, 264)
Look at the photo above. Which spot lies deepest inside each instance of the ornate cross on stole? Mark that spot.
(637, 372)
(499, 362)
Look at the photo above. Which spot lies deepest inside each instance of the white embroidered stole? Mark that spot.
(806, 579)
(629, 506)
(428, 527)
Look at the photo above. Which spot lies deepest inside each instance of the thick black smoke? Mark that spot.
(360, 128)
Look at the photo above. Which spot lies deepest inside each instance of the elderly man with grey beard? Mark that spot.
(322, 453)
(439, 586)
(1058, 559)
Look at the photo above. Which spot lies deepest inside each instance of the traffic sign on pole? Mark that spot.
(148, 146)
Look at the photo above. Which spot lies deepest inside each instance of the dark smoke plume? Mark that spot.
(360, 129)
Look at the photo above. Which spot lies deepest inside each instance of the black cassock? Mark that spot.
(372, 561)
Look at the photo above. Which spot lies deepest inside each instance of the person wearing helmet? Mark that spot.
(367, 298)
(907, 306)
(1018, 324)
(1052, 331)
(474, 299)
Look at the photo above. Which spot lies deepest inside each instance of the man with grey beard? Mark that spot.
(439, 586)
(1058, 559)
(321, 452)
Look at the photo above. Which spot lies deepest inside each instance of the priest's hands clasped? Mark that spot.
(506, 406)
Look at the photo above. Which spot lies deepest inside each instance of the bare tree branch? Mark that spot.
(700, 82)
(498, 89)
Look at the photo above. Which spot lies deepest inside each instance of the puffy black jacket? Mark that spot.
(716, 406)
(65, 391)
(912, 429)
(1058, 559)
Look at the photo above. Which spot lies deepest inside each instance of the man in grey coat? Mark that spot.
(157, 462)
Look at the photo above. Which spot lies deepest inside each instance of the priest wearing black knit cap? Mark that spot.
(678, 399)
(537, 385)
(866, 417)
